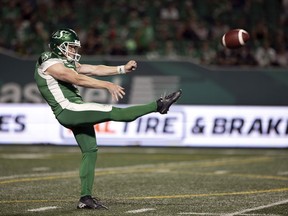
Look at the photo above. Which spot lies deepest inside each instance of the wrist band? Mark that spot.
(121, 69)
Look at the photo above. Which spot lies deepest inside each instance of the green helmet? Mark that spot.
(61, 40)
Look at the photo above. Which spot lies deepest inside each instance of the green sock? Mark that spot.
(87, 172)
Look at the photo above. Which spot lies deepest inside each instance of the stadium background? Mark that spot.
(242, 92)
(176, 44)
(170, 29)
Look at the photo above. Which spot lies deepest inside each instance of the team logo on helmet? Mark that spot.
(60, 34)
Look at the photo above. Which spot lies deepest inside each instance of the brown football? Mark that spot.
(235, 38)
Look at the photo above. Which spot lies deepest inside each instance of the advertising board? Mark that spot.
(183, 126)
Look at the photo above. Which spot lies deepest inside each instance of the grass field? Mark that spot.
(43, 180)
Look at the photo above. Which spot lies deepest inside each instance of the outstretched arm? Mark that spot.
(104, 70)
(60, 72)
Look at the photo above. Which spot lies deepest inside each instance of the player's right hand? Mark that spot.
(116, 91)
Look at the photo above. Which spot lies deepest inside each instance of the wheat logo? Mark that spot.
(60, 34)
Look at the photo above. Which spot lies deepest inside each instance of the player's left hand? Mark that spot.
(130, 66)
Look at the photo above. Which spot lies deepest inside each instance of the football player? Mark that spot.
(58, 73)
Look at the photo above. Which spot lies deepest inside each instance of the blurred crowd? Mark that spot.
(152, 28)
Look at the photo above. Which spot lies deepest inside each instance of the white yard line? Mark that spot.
(221, 172)
(42, 209)
(160, 166)
(37, 175)
(100, 169)
(40, 169)
(260, 215)
(283, 173)
(140, 210)
(257, 208)
(26, 156)
(197, 213)
(221, 214)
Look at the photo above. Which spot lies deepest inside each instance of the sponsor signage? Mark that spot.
(236, 126)
(195, 126)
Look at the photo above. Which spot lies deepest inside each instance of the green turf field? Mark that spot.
(43, 180)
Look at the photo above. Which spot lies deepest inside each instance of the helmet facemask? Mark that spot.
(65, 48)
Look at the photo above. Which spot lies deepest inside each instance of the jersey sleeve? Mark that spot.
(46, 64)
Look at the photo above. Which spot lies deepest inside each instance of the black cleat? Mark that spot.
(88, 202)
(163, 104)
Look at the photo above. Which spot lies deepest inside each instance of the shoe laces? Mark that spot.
(97, 202)
(163, 96)
(96, 199)
(168, 96)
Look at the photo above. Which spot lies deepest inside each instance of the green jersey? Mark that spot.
(58, 94)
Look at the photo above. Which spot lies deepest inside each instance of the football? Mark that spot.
(235, 38)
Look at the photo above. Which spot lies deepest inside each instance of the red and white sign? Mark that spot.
(195, 126)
